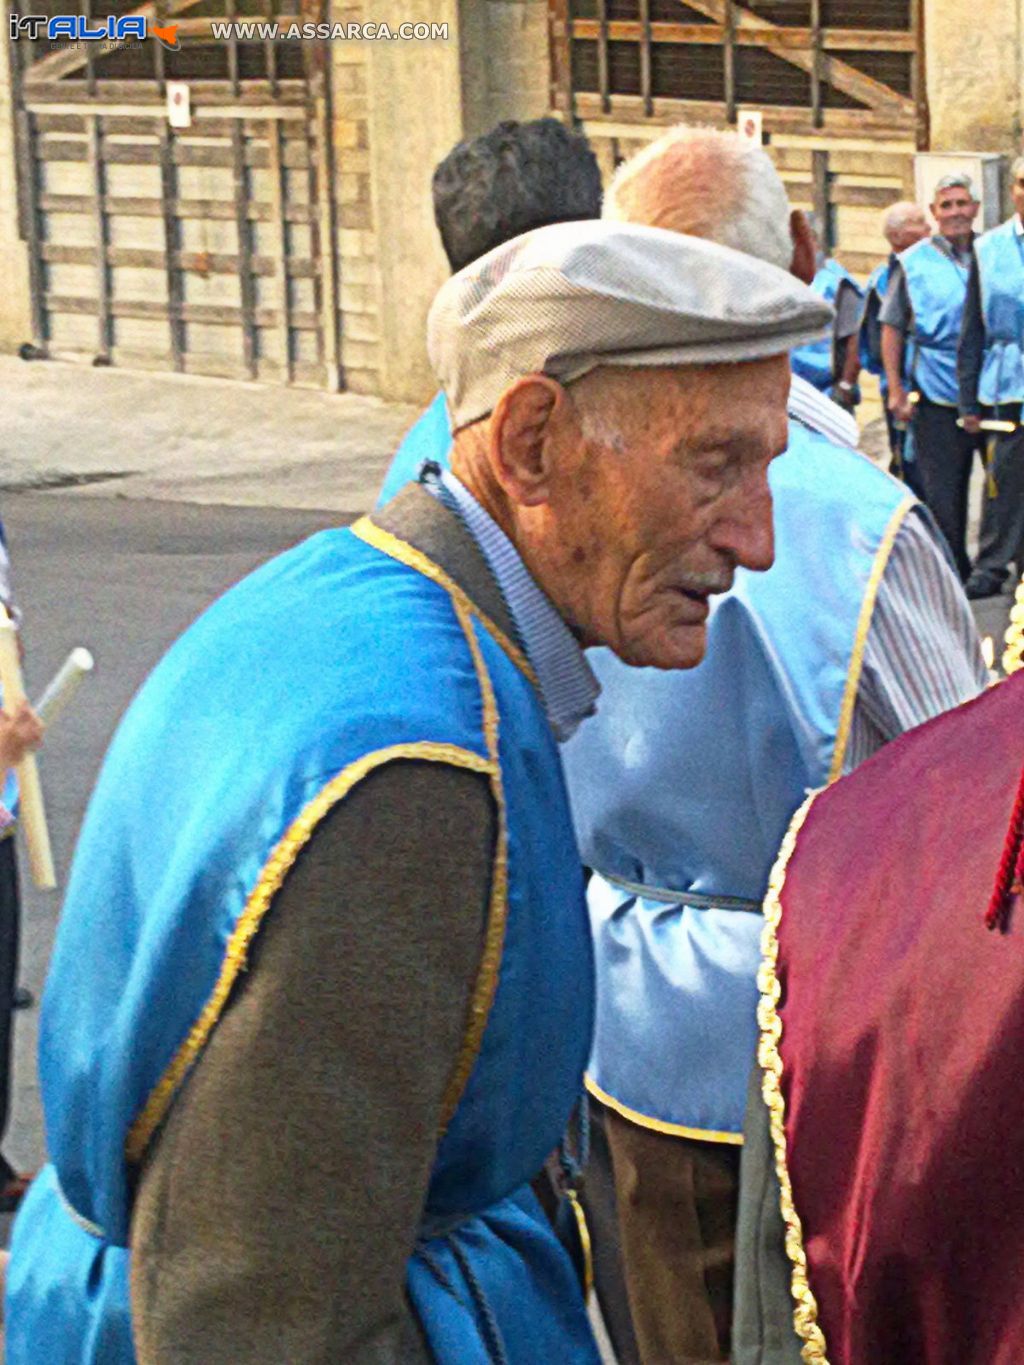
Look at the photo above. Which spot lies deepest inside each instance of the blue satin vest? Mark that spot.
(429, 438)
(193, 826)
(938, 290)
(1001, 267)
(685, 782)
(815, 360)
(870, 341)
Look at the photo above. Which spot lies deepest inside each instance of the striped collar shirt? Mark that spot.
(809, 406)
(568, 688)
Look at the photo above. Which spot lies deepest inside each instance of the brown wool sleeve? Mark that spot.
(278, 1205)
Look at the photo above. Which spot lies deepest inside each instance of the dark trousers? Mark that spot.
(945, 453)
(9, 930)
(1002, 517)
(671, 1241)
(898, 465)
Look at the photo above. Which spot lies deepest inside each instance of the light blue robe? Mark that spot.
(430, 438)
(937, 286)
(370, 662)
(1001, 271)
(815, 360)
(684, 783)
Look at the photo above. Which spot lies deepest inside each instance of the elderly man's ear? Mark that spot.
(804, 251)
(521, 428)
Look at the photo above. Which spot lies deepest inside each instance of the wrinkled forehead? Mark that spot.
(719, 404)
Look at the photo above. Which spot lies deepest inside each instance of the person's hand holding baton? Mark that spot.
(33, 812)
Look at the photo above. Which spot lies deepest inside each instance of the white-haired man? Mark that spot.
(991, 373)
(905, 223)
(316, 1017)
(682, 786)
(921, 319)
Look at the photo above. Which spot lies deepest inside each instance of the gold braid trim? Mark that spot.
(867, 610)
(269, 882)
(486, 985)
(805, 1314)
(658, 1125)
(586, 1244)
(1013, 653)
(405, 553)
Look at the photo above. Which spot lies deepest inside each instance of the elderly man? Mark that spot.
(832, 364)
(487, 190)
(991, 373)
(683, 784)
(921, 319)
(905, 224)
(317, 1014)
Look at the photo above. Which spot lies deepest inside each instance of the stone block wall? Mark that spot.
(397, 109)
(15, 314)
(974, 67)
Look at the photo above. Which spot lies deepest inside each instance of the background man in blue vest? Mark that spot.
(833, 364)
(991, 373)
(905, 223)
(487, 190)
(683, 785)
(921, 320)
(316, 1016)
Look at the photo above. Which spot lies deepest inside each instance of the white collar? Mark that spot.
(810, 406)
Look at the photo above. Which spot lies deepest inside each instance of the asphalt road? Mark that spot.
(123, 578)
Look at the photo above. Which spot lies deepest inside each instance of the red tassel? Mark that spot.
(1010, 877)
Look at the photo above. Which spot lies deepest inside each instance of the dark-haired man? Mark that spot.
(486, 191)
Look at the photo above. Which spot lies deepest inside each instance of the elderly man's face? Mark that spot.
(911, 230)
(659, 491)
(955, 210)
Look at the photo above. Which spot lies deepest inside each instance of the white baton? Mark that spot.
(63, 686)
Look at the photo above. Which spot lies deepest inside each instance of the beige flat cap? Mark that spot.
(562, 300)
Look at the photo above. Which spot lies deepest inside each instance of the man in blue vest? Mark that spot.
(683, 785)
(904, 225)
(991, 373)
(321, 995)
(832, 365)
(487, 190)
(921, 319)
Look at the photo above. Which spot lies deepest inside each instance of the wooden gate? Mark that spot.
(206, 249)
(840, 83)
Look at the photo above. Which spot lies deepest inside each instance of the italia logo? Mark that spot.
(76, 28)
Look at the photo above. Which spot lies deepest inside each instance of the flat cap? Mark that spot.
(562, 300)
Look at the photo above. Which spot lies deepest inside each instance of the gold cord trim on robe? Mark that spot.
(579, 1213)
(486, 985)
(1013, 653)
(269, 882)
(867, 609)
(407, 554)
(805, 1312)
(659, 1125)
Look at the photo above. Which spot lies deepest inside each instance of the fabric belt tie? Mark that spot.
(694, 899)
(443, 1229)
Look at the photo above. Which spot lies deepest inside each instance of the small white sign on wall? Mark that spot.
(750, 126)
(179, 105)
